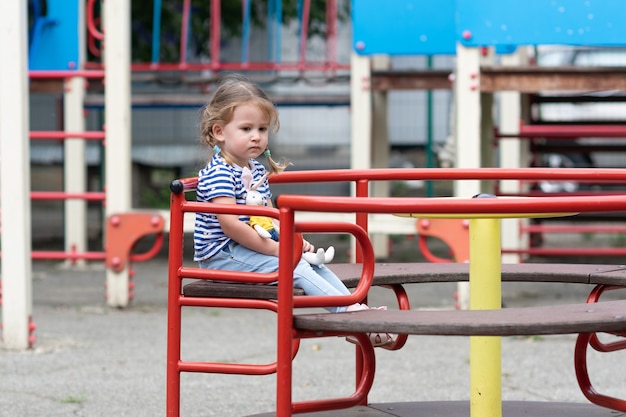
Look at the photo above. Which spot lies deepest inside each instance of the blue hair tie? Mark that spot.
(217, 149)
(267, 153)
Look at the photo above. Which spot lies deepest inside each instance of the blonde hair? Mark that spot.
(234, 90)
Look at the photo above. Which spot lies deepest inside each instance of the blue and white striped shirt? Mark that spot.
(220, 179)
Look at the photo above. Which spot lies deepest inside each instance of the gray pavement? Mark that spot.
(91, 360)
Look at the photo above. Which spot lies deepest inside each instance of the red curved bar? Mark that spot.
(403, 304)
(91, 26)
(150, 253)
(364, 384)
(595, 342)
(580, 357)
(584, 382)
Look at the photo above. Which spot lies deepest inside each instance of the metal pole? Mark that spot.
(485, 294)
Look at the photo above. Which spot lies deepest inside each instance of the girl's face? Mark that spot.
(245, 136)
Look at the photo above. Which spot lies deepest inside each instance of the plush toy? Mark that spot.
(266, 227)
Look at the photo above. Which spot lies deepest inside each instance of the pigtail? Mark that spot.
(276, 167)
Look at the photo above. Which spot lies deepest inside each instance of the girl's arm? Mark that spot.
(242, 233)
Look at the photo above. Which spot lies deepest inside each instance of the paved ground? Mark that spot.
(91, 360)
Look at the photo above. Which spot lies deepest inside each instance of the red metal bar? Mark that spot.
(594, 297)
(362, 219)
(578, 252)
(184, 33)
(58, 135)
(563, 193)
(616, 175)
(151, 253)
(566, 131)
(215, 35)
(72, 256)
(536, 228)
(580, 358)
(331, 32)
(235, 66)
(47, 74)
(470, 206)
(285, 315)
(174, 291)
(403, 304)
(422, 243)
(364, 384)
(92, 46)
(91, 26)
(61, 195)
(304, 32)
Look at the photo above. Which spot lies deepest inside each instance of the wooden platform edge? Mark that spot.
(607, 316)
(462, 408)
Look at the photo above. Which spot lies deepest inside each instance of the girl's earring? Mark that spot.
(217, 149)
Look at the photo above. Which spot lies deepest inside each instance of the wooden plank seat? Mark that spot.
(420, 272)
(206, 288)
(607, 316)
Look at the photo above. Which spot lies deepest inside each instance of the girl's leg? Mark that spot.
(331, 278)
(240, 258)
(307, 277)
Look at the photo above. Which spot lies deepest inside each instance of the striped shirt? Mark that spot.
(219, 179)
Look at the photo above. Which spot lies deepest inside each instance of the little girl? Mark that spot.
(236, 124)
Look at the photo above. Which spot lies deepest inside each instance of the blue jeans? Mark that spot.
(314, 280)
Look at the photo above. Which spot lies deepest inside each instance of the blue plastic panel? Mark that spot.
(53, 38)
(403, 27)
(537, 22)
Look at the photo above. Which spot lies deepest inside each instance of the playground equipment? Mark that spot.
(472, 31)
(58, 20)
(52, 24)
(56, 51)
(283, 299)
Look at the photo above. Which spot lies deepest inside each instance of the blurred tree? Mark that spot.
(199, 33)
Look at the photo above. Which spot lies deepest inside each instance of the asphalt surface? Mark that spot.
(92, 360)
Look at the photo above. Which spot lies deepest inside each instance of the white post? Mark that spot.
(360, 112)
(15, 176)
(468, 126)
(513, 154)
(468, 117)
(74, 159)
(118, 121)
(380, 150)
(360, 115)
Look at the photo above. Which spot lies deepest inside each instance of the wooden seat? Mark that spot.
(212, 289)
(608, 316)
(421, 272)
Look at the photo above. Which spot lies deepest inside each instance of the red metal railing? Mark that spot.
(329, 64)
(287, 338)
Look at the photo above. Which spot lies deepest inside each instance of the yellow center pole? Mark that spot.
(485, 294)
